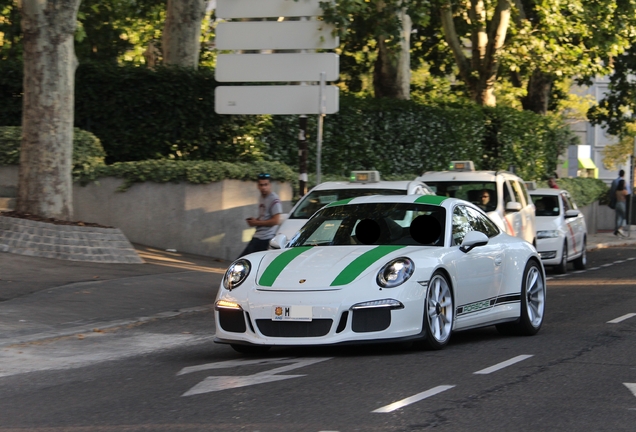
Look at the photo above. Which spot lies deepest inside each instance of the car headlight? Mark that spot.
(236, 274)
(395, 272)
(547, 234)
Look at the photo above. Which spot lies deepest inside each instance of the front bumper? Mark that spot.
(550, 250)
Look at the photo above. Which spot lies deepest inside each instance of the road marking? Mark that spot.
(621, 318)
(594, 268)
(631, 387)
(218, 383)
(502, 365)
(415, 398)
(607, 265)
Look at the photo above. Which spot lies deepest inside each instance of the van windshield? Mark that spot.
(482, 194)
(316, 200)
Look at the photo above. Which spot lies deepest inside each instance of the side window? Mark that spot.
(518, 192)
(566, 203)
(507, 194)
(482, 224)
(567, 199)
(461, 224)
(526, 195)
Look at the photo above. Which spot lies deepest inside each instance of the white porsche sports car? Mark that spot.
(382, 269)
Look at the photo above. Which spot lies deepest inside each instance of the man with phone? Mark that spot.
(269, 210)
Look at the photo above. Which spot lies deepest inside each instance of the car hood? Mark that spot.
(547, 223)
(321, 268)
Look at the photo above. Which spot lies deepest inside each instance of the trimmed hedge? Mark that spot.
(584, 191)
(87, 150)
(168, 113)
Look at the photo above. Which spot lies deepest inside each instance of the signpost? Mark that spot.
(267, 26)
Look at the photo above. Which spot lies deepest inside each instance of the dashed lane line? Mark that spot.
(591, 268)
(502, 365)
(621, 318)
(415, 398)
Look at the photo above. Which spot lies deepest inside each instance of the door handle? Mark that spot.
(498, 260)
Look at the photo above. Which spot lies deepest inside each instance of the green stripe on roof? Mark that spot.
(280, 262)
(430, 199)
(360, 264)
(341, 202)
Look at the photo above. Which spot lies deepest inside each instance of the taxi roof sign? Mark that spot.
(364, 177)
(462, 166)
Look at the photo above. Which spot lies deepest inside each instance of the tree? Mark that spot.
(182, 32)
(376, 41)
(44, 182)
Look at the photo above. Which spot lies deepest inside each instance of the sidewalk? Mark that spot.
(44, 298)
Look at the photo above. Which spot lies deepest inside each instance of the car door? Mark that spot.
(478, 273)
(574, 225)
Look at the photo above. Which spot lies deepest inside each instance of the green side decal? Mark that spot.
(341, 202)
(430, 199)
(280, 262)
(361, 263)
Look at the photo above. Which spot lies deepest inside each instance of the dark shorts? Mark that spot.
(255, 245)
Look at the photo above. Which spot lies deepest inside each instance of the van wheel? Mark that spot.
(563, 265)
(581, 262)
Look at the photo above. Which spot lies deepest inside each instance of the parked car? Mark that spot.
(379, 269)
(507, 204)
(361, 183)
(561, 229)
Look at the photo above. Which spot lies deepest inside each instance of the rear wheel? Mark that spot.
(563, 265)
(581, 262)
(250, 349)
(438, 313)
(532, 303)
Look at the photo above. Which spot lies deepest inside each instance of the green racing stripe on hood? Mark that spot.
(363, 262)
(430, 199)
(279, 263)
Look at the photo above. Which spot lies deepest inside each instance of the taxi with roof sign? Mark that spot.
(501, 194)
(361, 183)
(381, 269)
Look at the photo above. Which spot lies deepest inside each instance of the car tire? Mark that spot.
(581, 262)
(532, 303)
(250, 349)
(562, 267)
(439, 311)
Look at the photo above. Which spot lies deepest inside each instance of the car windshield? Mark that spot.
(317, 199)
(546, 205)
(374, 224)
(482, 194)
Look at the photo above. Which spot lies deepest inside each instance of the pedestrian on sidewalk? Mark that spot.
(269, 210)
(552, 184)
(612, 192)
(621, 207)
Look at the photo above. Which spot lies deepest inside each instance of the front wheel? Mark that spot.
(438, 313)
(563, 265)
(581, 262)
(532, 303)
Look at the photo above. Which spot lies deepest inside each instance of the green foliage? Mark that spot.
(196, 172)
(584, 191)
(88, 153)
(142, 114)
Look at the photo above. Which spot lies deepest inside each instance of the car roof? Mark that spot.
(462, 175)
(420, 199)
(383, 184)
(546, 191)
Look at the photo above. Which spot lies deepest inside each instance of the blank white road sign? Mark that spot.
(276, 100)
(274, 35)
(276, 67)
(267, 8)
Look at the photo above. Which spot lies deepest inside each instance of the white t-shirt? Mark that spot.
(267, 207)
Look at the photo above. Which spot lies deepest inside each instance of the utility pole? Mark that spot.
(302, 155)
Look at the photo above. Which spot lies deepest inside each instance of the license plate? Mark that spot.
(291, 313)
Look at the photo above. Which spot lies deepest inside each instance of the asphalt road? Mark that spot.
(577, 374)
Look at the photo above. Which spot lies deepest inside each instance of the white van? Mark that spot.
(509, 204)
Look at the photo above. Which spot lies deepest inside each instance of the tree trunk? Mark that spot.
(539, 89)
(181, 39)
(392, 69)
(45, 185)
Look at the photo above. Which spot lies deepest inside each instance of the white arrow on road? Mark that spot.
(218, 383)
(631, 387)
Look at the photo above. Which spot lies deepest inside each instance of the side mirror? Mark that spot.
(278, 242)
(473, 239)
(513, 207)
(572, 213)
